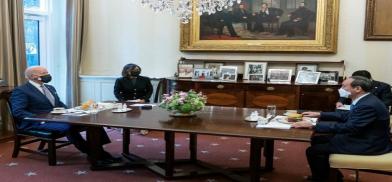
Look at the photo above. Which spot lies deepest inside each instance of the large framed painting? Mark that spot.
(378, 23)
(265, 26)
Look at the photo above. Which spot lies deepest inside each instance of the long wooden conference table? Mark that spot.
(212, 120)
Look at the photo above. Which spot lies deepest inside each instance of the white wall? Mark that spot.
(121, 31)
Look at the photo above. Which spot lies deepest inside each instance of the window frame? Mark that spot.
(41, 15)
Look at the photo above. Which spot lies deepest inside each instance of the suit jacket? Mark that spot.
(124, 89)
(272, 14)
(27, 101)
(379, 89)
(363, 130)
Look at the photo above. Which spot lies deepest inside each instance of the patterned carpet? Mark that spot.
(289, 161)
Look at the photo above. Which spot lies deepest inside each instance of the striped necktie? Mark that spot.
(48, 94)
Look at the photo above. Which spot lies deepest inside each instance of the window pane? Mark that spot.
(32, 41)
(32, 4)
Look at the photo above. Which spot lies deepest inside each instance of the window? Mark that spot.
(35, 21)
(45, 39)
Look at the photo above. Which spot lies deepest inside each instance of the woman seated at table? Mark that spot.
(132, 86)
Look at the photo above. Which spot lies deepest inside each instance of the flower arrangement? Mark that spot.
(184, 102)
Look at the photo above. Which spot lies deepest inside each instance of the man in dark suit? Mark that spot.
(379, 89)
(364, 130)
(244, 16)
(298, 20)
(37, 97)
(225, 18)
(266, 15)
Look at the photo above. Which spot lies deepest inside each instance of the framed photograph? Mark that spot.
(307, 67)
(214, 66)
(279, 75)
(255, 71)
(202, 74)
(378, 23)
(329, 76)
(265, 26)
(185, 70)
(307, 77)
(228, 73)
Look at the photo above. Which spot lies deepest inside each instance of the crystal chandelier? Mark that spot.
(183, 8)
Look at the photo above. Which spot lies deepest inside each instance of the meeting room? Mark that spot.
(195, 90)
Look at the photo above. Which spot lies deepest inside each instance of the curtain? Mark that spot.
(76, 25)
(12, 46)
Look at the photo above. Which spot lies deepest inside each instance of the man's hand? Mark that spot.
(311, 114)
(302, 124)
(339, 104)
(142, 101)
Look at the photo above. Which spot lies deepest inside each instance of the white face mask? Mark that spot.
(344, 93)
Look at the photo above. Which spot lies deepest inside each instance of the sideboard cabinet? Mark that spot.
(259, 95)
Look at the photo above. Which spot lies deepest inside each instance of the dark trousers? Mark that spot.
(318, 159)
(72, 132)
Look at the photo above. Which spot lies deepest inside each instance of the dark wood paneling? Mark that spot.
(283, 96)
(259, 95)
(320, 97)
(222, 94)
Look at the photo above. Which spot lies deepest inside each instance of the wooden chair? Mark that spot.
(381, 164)
(25, 137)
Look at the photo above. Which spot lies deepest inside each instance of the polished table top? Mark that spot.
(215, 120)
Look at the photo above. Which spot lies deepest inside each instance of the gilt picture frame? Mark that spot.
(324, 40)
(378, 22)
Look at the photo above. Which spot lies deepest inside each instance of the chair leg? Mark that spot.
(356, 175)
(269, 154)
(52, 152)
(17, 142)
(41, 145)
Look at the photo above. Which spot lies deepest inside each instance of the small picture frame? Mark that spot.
(255, 71)
(228, 73)
(185, 70)
(307, 77)
(202, 74)
(307, 67)
(214, 66)
(329, 76)
(279, 75)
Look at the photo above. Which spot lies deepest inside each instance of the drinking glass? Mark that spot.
(271, 110)
(94, 108)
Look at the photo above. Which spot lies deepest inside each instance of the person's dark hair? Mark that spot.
(124, 72)
(363, 82)
(363, 73)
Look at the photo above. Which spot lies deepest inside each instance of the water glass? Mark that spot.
(94, 108)
(271, 110)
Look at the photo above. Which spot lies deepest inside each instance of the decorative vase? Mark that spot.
(181, 114)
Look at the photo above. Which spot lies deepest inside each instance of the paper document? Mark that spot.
(75, 114)
(344, 107)
(274, 125)
(140, 105)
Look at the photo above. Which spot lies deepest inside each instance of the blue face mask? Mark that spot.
(344, 93)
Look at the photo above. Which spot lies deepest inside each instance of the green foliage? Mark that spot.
(184, 102)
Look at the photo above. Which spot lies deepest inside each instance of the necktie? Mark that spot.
(48, 94)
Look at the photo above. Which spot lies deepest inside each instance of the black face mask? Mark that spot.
(134, 72)
(46, 78)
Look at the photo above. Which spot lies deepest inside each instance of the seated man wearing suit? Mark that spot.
(36, 97)
(379, 89)
(364, 130)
